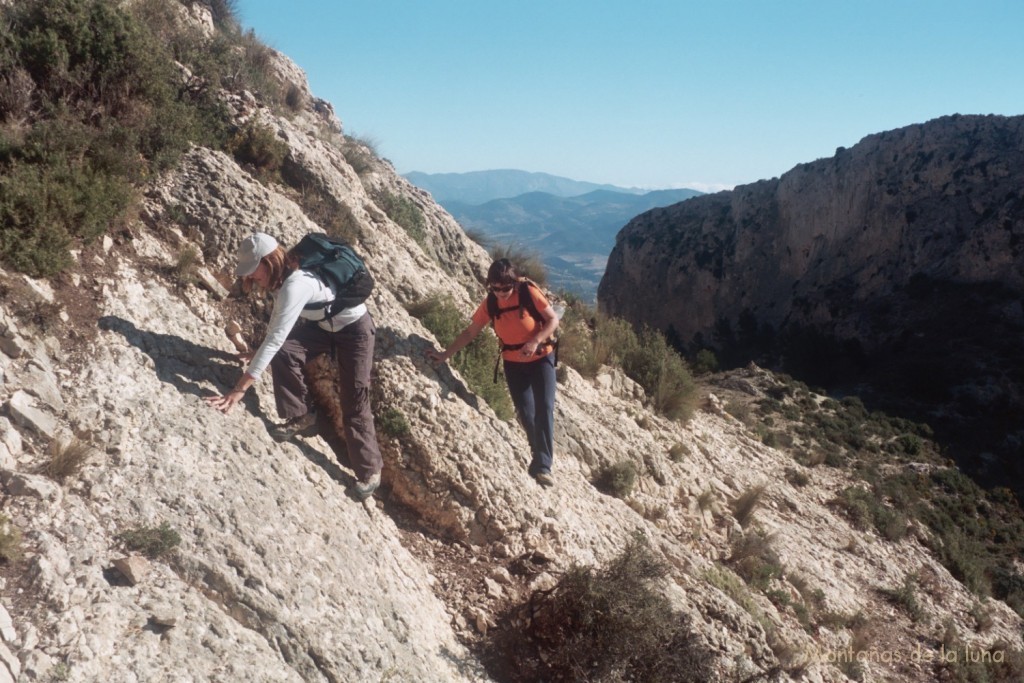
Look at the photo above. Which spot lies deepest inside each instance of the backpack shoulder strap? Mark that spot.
(526, 300)
(492, 307)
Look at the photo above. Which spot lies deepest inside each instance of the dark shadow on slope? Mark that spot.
(179, 362)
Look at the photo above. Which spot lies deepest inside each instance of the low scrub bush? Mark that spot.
(66, 458)
(663, 374)
(475, 362)
(602, 624)
(905, 596)
(361, 154)
(679, 452)
(617, 479)
(746, 503)
(393, 423)
(151, 541)
(10, 540)
(257, 147)
(406, 213)
(753, 558)
(705, 362)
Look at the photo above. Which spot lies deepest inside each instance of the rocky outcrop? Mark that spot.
(279, 575)
(897, 263)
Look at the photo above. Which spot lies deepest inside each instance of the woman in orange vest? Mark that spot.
(524, 321)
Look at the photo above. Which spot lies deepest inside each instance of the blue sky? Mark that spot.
(644, 93)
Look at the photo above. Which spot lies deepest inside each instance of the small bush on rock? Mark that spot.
(150, 541)
(66, 458)
(618, 479)
(602, 624)
(10, 540)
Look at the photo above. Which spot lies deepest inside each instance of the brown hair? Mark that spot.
(502, 272)
(275, 260)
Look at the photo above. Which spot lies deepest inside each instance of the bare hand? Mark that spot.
(226, 402)
(436, 356)
(245, 356)
(529, 348)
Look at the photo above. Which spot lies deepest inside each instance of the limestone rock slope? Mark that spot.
(279, 574)
(898, 262)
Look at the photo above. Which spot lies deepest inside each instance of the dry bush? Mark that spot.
(67, 457)
(744, 506)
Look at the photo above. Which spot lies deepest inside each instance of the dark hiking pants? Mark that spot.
(532, 386)
(353, 350)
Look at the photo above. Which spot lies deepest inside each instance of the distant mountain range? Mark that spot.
(571, 224)
(477, 187)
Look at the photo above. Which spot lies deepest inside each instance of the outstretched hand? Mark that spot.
(436, 356)
(226, 402)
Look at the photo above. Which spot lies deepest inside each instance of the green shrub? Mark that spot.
(663, 374)
(150, 541)
(393, 423)
(906, 597)
(186, 266)
(360, 155)
(406, 213)
(475, 362)
(857, 505)
(101, 107)
(797, 477)
(705, 362)
(333, 216)
(617, 479)
(602, 625)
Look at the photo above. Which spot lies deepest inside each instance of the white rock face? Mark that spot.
(279, 574)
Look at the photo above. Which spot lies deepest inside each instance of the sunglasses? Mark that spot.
(500, 289)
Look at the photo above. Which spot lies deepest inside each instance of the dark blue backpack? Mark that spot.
(336, 265)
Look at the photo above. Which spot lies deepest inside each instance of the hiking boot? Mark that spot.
(365, 489)
(303, 425)
(545, 479)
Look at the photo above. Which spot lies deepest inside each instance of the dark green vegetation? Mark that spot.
(93, 103)
(600, 624)
(903, 485)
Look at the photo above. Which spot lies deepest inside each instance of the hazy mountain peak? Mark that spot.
(477, 187)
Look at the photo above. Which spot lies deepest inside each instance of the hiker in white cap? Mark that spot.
(301, 328)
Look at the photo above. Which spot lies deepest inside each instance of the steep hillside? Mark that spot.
(897, 266)
(146, 537)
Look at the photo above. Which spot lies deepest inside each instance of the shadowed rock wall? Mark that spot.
(897, 264)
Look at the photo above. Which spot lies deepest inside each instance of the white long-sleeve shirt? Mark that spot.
(298, 289)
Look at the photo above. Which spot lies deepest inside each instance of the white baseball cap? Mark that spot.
(252, 250)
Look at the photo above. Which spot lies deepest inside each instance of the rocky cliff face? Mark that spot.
(280, 576)
(898, 263)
